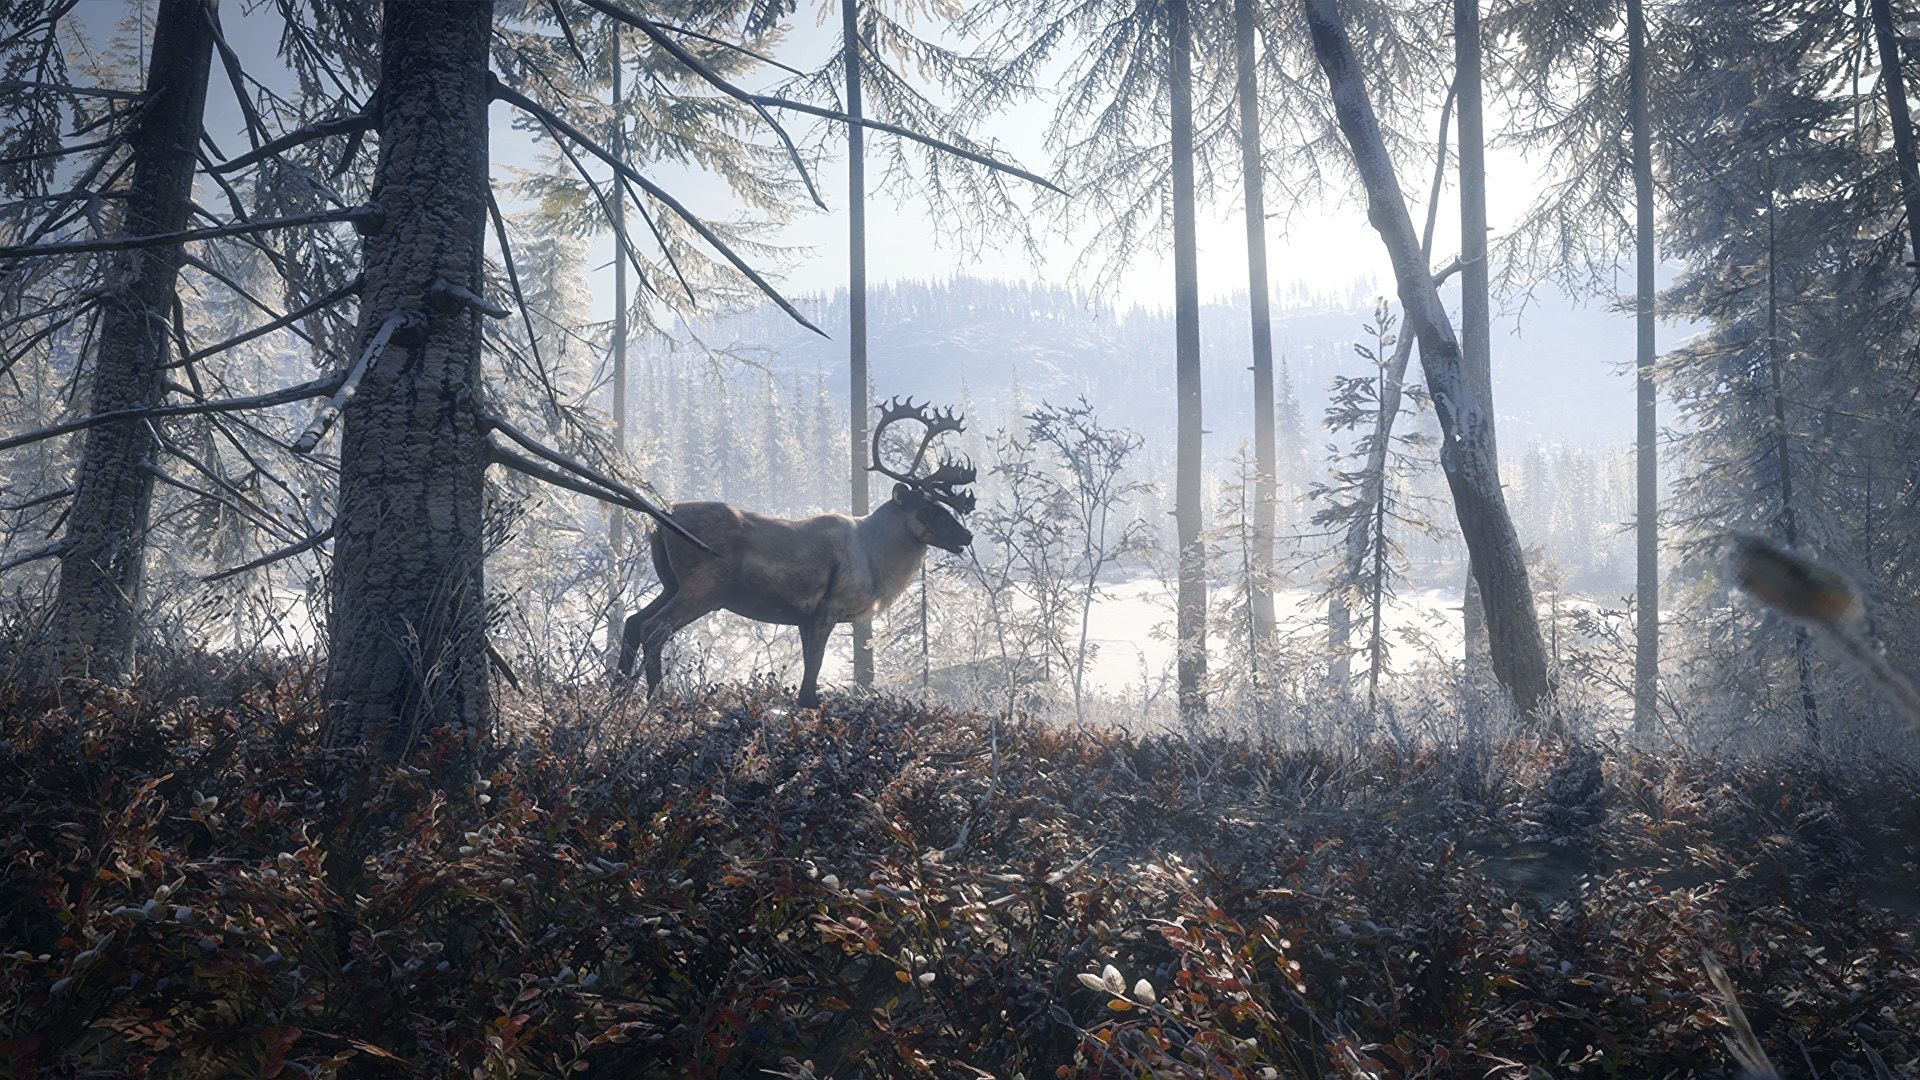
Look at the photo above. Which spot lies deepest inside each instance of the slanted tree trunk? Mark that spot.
(1646, 652)
(1254, 181)
(407, 633)
(857, 309)
(1893, 78)
(1467, 451)
(103, 554)
(1191, 614)
(1476, 315)
(1394, 380)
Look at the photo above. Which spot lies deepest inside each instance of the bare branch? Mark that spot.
(1441, 275)
(259, 401)
(186, 236)
(39, 500)
(270, 557)
(460, 294)
(9, 86)
(356, 124)
(908, 133)
(47, 552)
(369, 356)
(736, 47)
(288, 319)
(513, 276)
(713, 78)
(513, 97)
(605, 485)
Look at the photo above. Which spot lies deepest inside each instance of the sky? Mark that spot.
(1327, 246)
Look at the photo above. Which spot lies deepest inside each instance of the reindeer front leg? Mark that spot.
(813, 651)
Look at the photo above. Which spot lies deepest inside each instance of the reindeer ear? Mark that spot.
(900, 492)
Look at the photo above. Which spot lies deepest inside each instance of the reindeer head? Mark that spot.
(931, 499)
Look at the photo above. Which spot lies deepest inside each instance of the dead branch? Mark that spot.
(503, 92)
(36, 555)
(38, 500)
(9, 86)
(63, 151)
(357, 124)
(369, 356)
(259, 401)
(462, 295)
(908, 133)
(289, 318)
(603, 485)
(713, 78)
(736, 47)
(271, 557)
(185, 236)
(513, 276)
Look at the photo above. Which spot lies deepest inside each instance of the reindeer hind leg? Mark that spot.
(653, 634)
(631, 633)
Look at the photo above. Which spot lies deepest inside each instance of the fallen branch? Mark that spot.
(713, 78)
(259, 401)
(369, 356)
(287, 552)
(513, 97)
(603, 487)
(185, 236)
(288, 319)
(357, 124)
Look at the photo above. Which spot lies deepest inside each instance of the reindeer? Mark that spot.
(815, 573)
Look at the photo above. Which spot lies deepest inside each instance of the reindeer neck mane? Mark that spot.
(893, 555)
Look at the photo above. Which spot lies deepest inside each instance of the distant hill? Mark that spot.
(1558, 370)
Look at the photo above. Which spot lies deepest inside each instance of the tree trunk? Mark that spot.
(617, 525)
(857, 309)
(1646, 653)
(1373, 491)
(407, 633)
(103, 554)
(1191, 615)
(1783, 457)
(1254, 181)
(1892, 76)
(1467, 451)
(1476, 316)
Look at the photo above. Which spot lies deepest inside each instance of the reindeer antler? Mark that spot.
(950, 474)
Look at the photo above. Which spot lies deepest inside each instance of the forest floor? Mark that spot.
(192, 885)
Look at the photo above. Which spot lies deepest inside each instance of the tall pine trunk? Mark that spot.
(857, 310)
(1646, 653)
(1191, 613)
(103, 554)
(1893, 78)
(1253, 180)
(1467, 449)
(407, 633)
(617, 525)
(1476, 315)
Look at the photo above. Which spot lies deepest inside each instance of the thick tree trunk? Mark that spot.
(1191, 614)
(407, 634)
(1467, 451)
(103, 554)
(1254, 181)
(1476, 306)
(1646, 653)
(857, 309)
(1893, 78)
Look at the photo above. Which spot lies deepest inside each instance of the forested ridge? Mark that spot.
(437, 462)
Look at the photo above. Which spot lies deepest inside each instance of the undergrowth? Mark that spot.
(192, 885)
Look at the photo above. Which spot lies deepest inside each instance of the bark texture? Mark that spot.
(857, 309)
(407, 633)
(1254, 181)
(1646, 653)
(1476, 306)
(1467, 452)
(103, 554)
(1191, 615)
